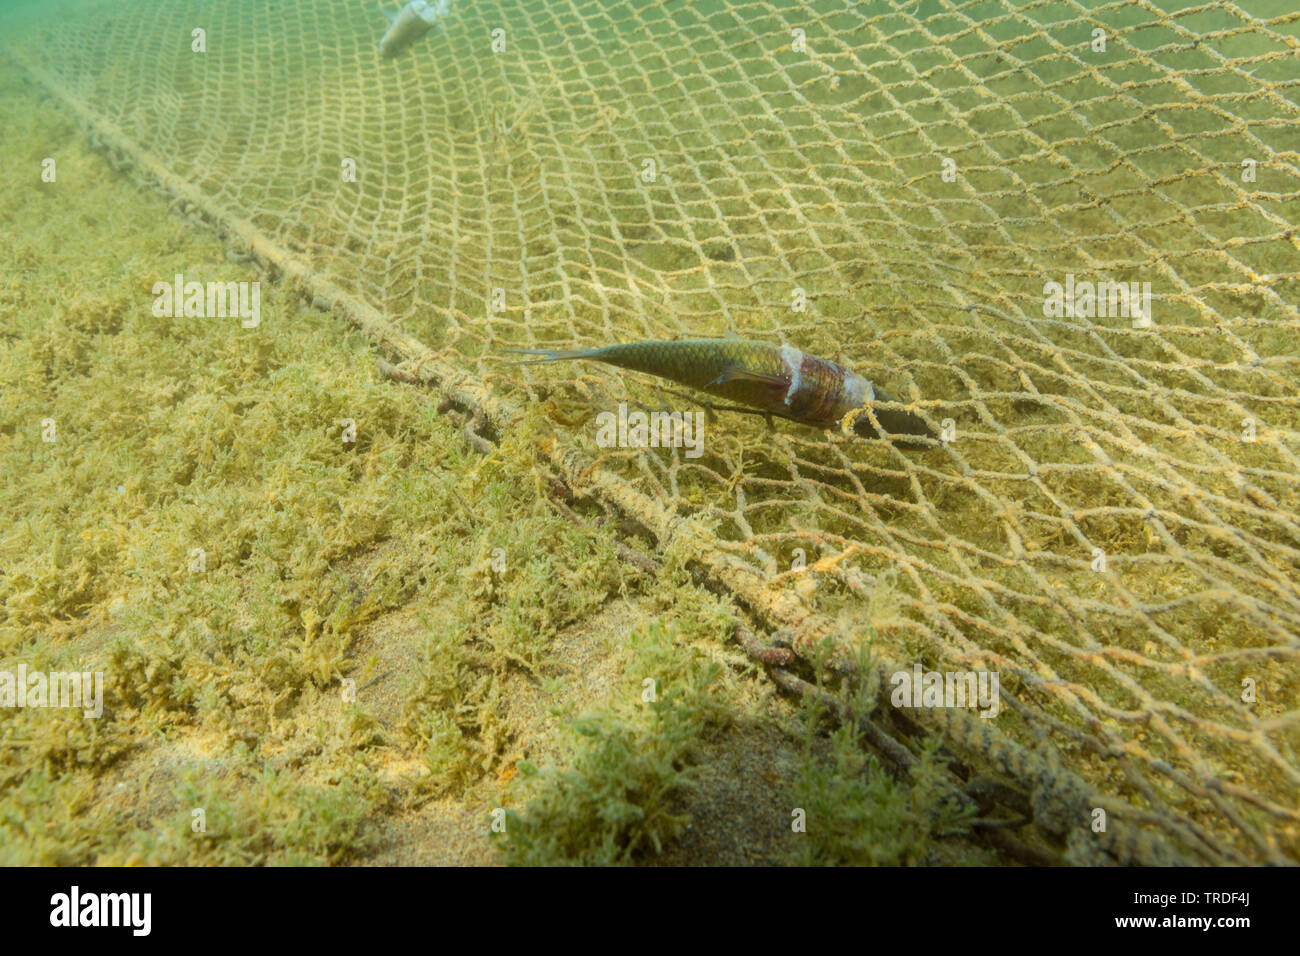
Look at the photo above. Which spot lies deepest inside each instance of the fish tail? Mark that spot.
(554, 355)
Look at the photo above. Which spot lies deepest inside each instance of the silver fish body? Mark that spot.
(778, 380)
(410, 23)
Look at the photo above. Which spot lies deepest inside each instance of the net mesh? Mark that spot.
(1112, 524)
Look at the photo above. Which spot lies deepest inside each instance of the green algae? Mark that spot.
(327, 651)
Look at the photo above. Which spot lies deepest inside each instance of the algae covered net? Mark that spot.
(1062, 232)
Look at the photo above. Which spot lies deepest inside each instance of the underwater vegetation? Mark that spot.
(324, 561)
(361, 591)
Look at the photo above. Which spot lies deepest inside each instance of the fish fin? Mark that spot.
(741, 375)
(551, 355)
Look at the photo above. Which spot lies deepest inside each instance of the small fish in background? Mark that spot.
(776, 380)
(410, 23)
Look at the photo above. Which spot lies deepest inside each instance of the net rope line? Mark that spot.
(1220, 527)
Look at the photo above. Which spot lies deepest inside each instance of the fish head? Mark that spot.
(902, 427)
(898, 423)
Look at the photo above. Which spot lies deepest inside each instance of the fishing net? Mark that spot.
(1110, 524)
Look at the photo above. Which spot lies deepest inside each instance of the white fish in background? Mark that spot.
(410, 23)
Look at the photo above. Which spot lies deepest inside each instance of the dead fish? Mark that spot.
(410, 23)
(776, 380)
